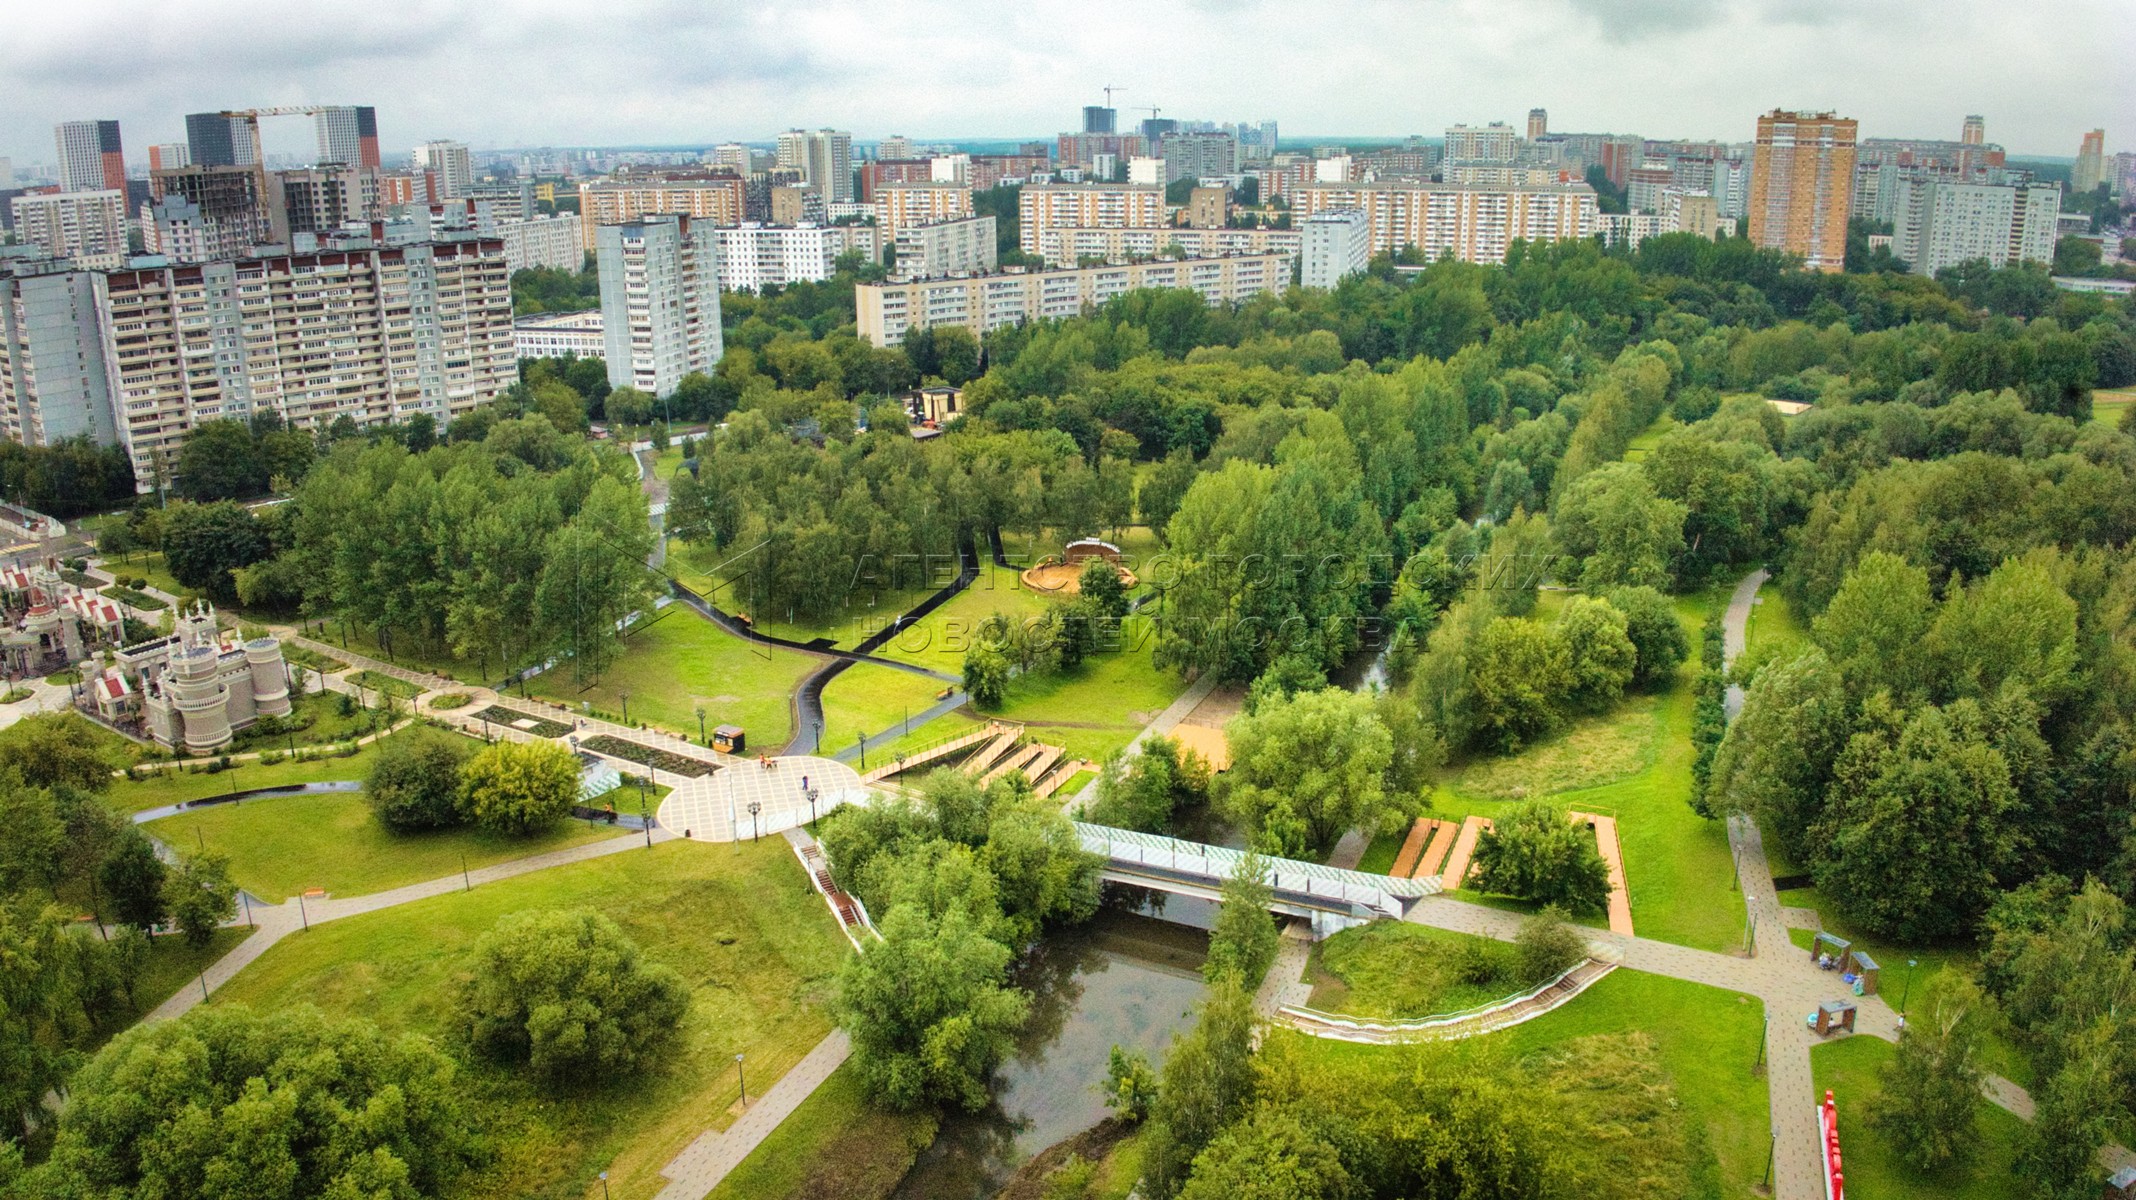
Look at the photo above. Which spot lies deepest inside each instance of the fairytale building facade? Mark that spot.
(195, 689)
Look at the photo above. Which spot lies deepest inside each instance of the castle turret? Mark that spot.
(198, 697)
(270, 678)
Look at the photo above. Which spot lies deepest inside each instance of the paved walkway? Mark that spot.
(1285, 982)
(706, 1161)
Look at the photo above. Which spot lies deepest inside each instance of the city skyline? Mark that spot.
(653, 73)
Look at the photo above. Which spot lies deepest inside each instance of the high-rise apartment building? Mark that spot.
(52, 382)
(713, 198)
(1066, 247)
(1493, 143)
(659, 301)
(552, 241)
(166, 156)
(896, 147)
(227, 211)
(315, 200)
(825, 159)
(373, 333)
(1338, 244)
(1938, 223)
(1974, 132)
(348, 134)
(1538, 123)
(215, 140)
(732, 156)
(2122, 174)
(90, 159)
(898, 205)
(1082, 149)
(964, 246)
(2090, 170)
(1097, 118)
(1041, 207)
(754, 256)
(1472, 222)
(450, 162)
(88, 227)
(1801, 186)
(887, 312)
(1198, 155)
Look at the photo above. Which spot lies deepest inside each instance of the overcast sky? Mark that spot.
(504, 73)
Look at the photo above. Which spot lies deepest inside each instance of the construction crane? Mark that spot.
(1109, 89)
(1151, 109)
(251, 118)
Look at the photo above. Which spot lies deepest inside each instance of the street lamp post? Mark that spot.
(754, 808)
(863, 751)
(811, 794)
(1906, 993)
(626, 706)
(741, 1079)
(604, 1185)
(701, 728)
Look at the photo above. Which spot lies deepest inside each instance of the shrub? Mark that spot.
(567, 994)
(1547, 946)
(520, 787)
(1534, 853)
(415, 782)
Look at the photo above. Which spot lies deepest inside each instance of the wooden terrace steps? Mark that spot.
(1620, 897)
(1412, 847)
(984, 757)
(842, 905)
(933, 753)
(1042, 762)
(1442, 841)
(1059, 777)
(1457, 864)
(1015, 760)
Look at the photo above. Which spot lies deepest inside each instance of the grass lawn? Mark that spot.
(870, 698)
(173, 787)
(378, 681)
(1676, 863)
(756, 945)
(1649, 438)
(1102, 704)
(681, 662)
(151, 567)
(939, 640)
(282, 845)
(2109, 406)
(1396, 969)
(1707, 1040)
(172, 965)
(327, 724)
(1775, 628)
(1890, 957)
(1850, 1068)
(835, 1145)
(1599, 750)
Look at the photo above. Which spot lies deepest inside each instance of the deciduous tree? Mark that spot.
(569, 995)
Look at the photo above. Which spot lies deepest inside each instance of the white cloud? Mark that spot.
(563, 72)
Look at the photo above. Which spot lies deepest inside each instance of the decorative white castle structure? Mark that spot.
(195, 688)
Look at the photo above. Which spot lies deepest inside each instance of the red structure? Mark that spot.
(1828, 1130)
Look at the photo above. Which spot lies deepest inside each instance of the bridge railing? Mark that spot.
(1214, 864)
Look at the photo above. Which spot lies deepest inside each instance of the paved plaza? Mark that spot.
(713, 807)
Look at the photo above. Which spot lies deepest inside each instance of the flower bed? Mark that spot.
(497, 714)
(636, 752)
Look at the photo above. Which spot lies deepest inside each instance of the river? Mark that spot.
(1127, 978)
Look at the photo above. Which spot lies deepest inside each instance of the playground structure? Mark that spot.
(1061, 574)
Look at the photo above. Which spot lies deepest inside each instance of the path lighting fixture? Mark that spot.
(741, 1079)
(755, 807)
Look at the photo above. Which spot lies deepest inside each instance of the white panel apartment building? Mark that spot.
(887, 311)
(88, 227)
(947, 248)
(1046, 206)
(1938, 224)
(52, 386)
(1474, 223)
(659, 301)
(1338, 244)
(900, 204)
(554, 241)
(754, 255)
(553, 335)
(375, 334)
(717, 199)
(1068, 247)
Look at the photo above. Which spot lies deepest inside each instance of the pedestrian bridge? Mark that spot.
(1330, 897)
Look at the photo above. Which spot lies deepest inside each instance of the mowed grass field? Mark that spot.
(1706, 1040)
(680, 662)
(1633, 762)
(1851, 1068)
(2109, 406)
(756, 945)
(281, 846)
(175, 787)
(869, 698)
